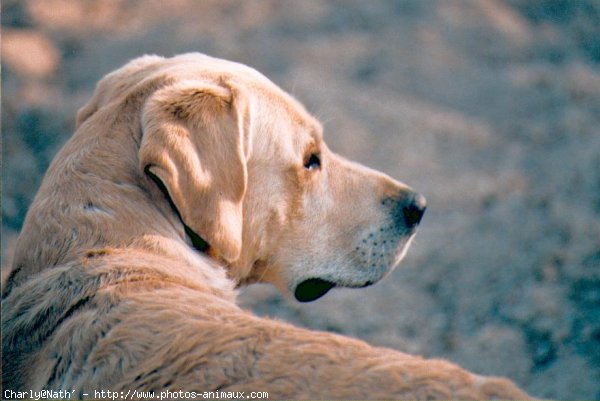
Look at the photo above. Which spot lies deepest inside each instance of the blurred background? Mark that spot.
(491, 108)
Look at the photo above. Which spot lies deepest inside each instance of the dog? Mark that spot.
(186, 178)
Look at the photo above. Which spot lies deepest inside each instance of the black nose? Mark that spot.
(413, 208)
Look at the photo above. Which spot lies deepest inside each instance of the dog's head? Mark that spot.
(246, 168)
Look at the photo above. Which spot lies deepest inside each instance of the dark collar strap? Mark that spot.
(197, 242)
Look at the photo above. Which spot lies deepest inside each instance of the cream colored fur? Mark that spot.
(107, 291)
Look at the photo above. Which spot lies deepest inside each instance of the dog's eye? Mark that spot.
(313, 162)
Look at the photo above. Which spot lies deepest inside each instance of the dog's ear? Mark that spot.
(195, 141)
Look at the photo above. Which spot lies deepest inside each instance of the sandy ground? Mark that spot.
(490, 108)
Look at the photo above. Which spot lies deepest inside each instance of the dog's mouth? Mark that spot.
(312, 289)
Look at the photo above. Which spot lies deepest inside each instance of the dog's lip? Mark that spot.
(312, 289)
(366, 284)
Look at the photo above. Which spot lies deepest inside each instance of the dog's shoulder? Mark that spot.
(89, 296)
(47, 299)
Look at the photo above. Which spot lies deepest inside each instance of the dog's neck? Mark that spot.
(197, 242)
(95, 196)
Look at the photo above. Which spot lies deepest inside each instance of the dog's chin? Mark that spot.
(314, 288)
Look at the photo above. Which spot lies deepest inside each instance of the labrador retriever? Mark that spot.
(186, 178)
